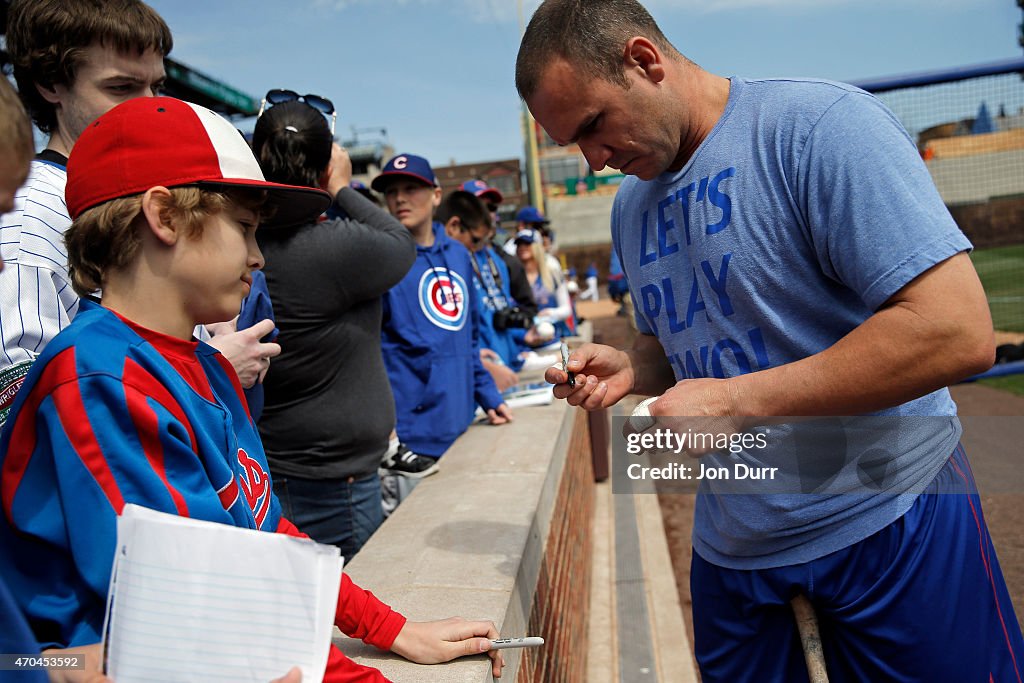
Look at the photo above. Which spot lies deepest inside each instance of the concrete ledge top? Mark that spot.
(456, 546)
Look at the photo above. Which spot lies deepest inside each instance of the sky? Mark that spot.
(438, 75)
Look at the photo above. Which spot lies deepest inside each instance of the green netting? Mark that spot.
(970, 133)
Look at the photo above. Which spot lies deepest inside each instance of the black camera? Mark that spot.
(512, 318)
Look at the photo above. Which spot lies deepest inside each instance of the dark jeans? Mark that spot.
(342, 512)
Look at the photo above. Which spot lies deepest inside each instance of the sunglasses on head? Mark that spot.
(279, 96)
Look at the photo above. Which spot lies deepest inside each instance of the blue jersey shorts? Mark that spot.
(921, 600)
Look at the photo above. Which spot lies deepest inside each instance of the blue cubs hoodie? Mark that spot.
(429, 337)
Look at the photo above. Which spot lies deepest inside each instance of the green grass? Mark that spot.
(1001, 270)
(1012, 383)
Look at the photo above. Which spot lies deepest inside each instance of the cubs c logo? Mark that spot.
(401, 162)
(443, 298)
(255, 486)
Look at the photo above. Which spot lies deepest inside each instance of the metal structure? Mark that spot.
(190, 85)
(968, 124)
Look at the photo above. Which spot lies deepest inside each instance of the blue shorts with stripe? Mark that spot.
(921, 600)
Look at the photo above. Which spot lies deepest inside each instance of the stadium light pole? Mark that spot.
(533, 179)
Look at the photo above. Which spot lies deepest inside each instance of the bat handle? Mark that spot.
(810, 638)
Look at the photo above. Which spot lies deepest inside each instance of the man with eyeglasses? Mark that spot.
(74, 62)
(518, 285)
(466, 220)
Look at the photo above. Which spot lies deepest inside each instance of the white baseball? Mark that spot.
(641, 418)
(546, 331)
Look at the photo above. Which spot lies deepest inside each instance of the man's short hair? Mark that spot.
(46, 40)
(469, 208)
(106, 237)
(15, 130)
(589, 34)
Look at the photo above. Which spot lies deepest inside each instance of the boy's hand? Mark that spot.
(531, 338)
(499, 415)
(432, 642)
(293, 676)
(504, 377)
(90, 674)
(247, 354)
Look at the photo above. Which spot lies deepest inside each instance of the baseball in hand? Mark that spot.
(641, 418)
(545, 331)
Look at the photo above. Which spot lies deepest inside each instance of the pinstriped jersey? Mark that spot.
(36, 298)
(112, 413)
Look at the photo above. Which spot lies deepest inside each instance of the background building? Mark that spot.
(505, 174)
(369, 149)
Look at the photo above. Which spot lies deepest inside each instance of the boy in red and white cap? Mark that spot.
(124, 406)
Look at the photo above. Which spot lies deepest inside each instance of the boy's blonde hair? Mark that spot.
(106, 237)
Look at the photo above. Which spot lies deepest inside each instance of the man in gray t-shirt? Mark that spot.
(789, 256)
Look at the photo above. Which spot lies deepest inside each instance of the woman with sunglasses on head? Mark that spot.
(329, 410)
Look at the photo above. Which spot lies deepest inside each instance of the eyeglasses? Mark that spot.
(279, 96)
(476, 238)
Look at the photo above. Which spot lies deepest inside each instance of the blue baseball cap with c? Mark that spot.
(530, 214)
(483, 191)
(408, 166)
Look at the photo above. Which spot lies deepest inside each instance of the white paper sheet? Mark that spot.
(198, 601)
(529, 394)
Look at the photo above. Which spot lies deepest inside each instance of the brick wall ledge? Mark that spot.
(471, 540)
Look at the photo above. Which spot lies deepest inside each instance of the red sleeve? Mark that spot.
(360, 614)
(288, 529)
(341, 669)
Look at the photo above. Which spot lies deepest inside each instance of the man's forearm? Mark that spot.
(934, 333)
(879, 365)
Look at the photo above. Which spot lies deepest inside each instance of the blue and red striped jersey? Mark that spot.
(112, 413)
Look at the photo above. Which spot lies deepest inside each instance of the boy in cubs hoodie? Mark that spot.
(430, 327)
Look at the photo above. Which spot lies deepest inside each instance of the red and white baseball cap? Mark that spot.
(151, 141)
(483, 191)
